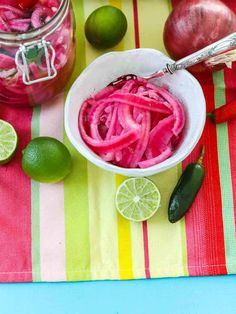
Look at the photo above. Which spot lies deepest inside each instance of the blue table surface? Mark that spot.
(164, 296)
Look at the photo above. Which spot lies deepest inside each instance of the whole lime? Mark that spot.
(105, 27)
(45, 159)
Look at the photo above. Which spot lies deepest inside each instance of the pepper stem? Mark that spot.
(211, 115)
(200, 159)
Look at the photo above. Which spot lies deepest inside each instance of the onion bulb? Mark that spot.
(195, 24)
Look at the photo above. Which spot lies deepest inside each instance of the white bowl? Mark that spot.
(140, 62)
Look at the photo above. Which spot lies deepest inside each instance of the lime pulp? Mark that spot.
(137, 199)
(8, 142)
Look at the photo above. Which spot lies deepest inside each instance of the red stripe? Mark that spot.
(230, 82)
(204, 222)
(145, 227)
(146, 251)
(15, 206)
(136, 25)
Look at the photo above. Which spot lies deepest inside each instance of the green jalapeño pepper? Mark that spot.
(186, 189)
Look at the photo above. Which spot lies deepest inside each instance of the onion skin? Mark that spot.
(195, 24)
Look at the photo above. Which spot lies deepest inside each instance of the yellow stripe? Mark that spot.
(167, 242)
(135, 229)
(91, 52)
(152, 17)
(124, 229)
(124, 241)
(165, 239)
(130, 235)
(129, 39)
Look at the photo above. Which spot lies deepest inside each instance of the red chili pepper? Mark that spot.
(26, 4)
(224, 113)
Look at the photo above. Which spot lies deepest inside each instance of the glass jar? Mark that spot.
(36, 65)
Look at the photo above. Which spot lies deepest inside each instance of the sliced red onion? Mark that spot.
(6, 62)
(20, 25)
(106, 146)
(38, 17)
(143, 141)
(160, 137)
(139, 101)
(133, 124)
(11, 8)
(174, 104)
(156, 160)
(4, 27)
(7, 73)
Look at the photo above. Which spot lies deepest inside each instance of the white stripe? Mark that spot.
(52, 228)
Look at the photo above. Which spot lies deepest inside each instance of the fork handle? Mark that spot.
(225, 44)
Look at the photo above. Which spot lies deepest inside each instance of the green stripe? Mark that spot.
(35, 208)
(225, 178)
(80, 60)
(170, 5)
(76, 186)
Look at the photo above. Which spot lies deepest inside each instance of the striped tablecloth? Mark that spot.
(71, 231)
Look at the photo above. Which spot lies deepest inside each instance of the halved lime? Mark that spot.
(137, 199)
(8, 142)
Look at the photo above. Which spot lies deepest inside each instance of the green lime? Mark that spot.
(137, 199)
(45, 159)
(8, 142)
(105, 27)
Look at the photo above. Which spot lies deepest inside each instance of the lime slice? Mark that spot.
(8, 141)
(137, 199)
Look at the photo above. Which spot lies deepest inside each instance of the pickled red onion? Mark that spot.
(133, 124)
(139, 101)
(160, 136)
(15, 19)
(156, 160)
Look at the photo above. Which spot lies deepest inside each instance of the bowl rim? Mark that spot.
(130, 172)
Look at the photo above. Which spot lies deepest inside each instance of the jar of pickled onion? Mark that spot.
(37, 50)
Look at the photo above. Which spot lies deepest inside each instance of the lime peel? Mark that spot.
(137, 199)
(46, 159)
(105, 27)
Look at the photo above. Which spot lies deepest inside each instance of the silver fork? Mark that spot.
(222, 51)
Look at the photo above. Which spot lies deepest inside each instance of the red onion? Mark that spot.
(194, 24)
